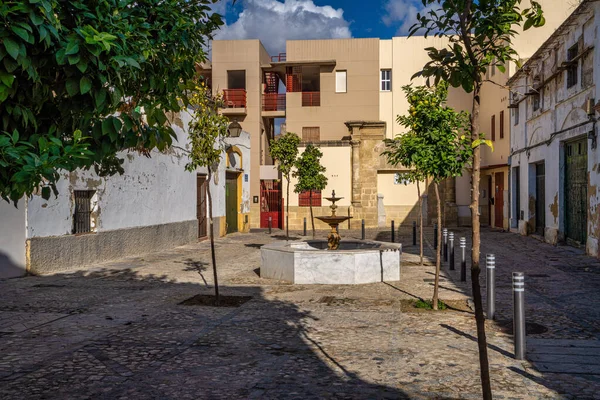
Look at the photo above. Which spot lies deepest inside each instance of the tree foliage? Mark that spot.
(75, 76)
(434, 145)
(284, 150)
(480, 35)
(309, 172)
(207, 130)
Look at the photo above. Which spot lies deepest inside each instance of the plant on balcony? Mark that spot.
(284, 149)
(206, 131)
(480, 37)
(74, 75)
(309, 172)
(434, 146)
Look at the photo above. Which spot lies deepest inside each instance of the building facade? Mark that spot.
(344, 95)
(554, 154)
(155, 205)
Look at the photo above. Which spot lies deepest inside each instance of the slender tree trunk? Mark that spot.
(438, 260)
(420, 208)
(475, 270)
(287, 209)
(312, 219)
(212, 238)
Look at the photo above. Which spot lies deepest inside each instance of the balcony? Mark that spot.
(234, 102)
(311, 99)
(273, 105)
(281, 57)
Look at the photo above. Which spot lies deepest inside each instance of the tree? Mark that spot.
(284, 150)
(206, 130)
(480, 36)
(309, 172)
(75, 76)
(434, 146)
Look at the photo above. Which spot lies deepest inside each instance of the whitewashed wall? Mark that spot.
(12, 239)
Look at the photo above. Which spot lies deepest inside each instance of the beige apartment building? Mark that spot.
(344, 95)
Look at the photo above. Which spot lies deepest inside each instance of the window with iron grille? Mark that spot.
(82, 219)
(537, 101)
(573, 67)
(304, 198)
(493, 127)
(311, 134)
(501, 124)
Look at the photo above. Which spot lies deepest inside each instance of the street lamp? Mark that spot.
(234, 129)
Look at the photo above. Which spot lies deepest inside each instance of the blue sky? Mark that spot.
(274, 21)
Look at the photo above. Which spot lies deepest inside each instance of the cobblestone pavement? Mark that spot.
(117, 331)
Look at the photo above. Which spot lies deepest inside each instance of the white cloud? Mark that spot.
(274, 22)
(402, 13)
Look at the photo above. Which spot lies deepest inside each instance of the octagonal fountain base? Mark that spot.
(309, 262)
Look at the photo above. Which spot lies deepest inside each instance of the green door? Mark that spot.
(576, 191)
(231, 203)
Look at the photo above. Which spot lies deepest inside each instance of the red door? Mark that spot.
(499, 201)
(270, 204)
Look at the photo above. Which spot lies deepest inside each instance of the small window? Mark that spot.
(82, 219)
(501, 124)
(311, 134)
(307, 197)
(537, 100)
(386, 80)
(516, 116)
(493, 127)
(340, 81)
(572, 69)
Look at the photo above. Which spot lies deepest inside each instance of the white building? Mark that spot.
(554, 154)
(156, 204)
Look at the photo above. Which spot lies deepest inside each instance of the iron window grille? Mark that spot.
(82, 219)
(572, 53)
(386, 80)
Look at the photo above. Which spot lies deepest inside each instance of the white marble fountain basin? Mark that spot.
(309, 262)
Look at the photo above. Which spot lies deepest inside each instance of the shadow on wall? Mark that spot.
(8, 269)
(149, 346)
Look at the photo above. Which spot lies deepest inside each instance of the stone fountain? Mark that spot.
(330, 261)
(333, 239)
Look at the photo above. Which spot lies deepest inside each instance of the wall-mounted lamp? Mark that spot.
(234, 129)
(590, 110)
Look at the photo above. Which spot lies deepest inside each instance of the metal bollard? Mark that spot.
(270, 224)
(463, 259)
(519, 314)
(445, 239)
(414, 233)
(490, 263)
(304, 226)
(363, 229)
(393, 232)
(435, 233)
(451, 249)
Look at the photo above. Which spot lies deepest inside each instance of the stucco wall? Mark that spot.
(541, 135)
(338, 169)
(12, 239)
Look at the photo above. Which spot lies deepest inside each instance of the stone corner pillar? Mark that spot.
(380, 211)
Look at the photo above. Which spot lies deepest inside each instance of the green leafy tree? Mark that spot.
(91, 66)
(309, 172)
(207, 130)
(284, 150)
(434, 146)
(479, 35)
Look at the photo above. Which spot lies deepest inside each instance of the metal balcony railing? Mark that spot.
(279, 58)
(273, 102)
(234, 98)
(311, 99)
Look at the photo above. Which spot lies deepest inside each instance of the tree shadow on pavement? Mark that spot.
(105, 335)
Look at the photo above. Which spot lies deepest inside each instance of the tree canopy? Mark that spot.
(76, 77)
(309, 170)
